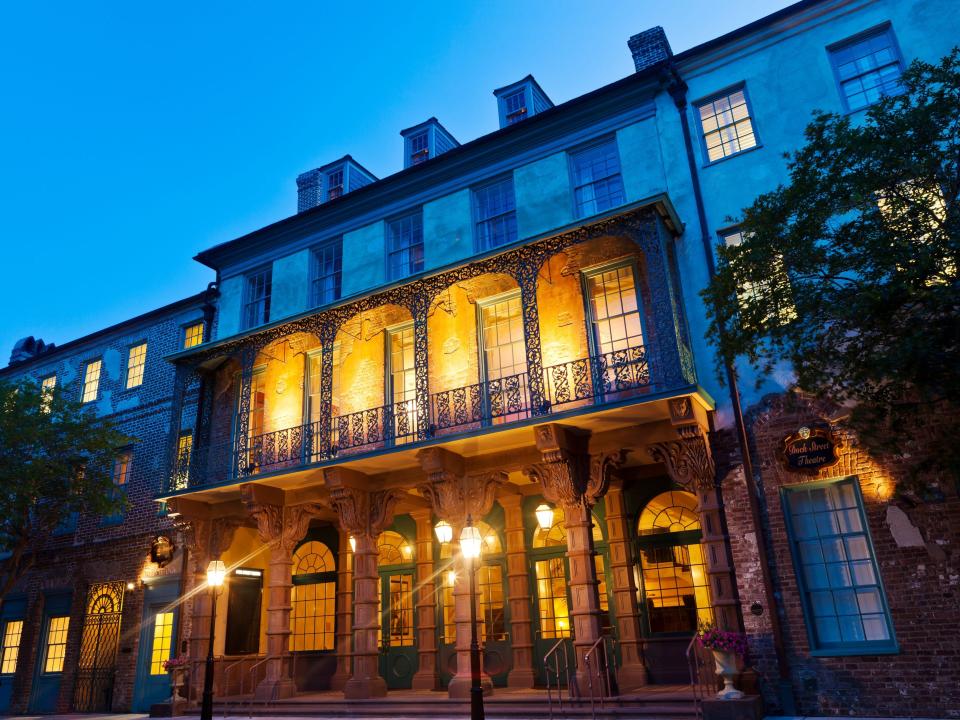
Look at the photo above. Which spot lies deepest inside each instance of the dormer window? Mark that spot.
(520, 101)
(515, 105)
(335, 184)
(419, 148)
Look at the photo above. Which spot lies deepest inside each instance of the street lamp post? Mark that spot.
(216, 572)
(470, 545)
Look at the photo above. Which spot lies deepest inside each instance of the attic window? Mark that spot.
(335, 184)
(515, 106)
(419, 148)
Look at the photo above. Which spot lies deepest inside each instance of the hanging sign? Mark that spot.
(161, 551)
(810, 450)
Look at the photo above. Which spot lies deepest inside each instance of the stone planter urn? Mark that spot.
(177, 677)
(726, 663)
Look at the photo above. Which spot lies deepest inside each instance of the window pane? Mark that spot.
(867, 69)
(598, 185)
(136, 361)
(726, 125)
(11, 646)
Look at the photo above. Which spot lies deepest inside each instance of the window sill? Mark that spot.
(711, 163)
(858, 651)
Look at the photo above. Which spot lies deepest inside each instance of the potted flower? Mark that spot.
(177, 667)
(726, 647)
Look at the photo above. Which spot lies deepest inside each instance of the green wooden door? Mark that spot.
(398, 650)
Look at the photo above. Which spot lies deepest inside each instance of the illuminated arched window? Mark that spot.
(313, 598)
(556, 535)
(676, 595)
(393, 549)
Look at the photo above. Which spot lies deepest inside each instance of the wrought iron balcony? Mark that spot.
(595, 381)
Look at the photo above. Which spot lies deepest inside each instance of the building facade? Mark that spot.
(507, 335)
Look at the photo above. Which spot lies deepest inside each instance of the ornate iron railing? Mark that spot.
(597, 380)
(505, 399)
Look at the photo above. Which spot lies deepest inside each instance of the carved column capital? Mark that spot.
(688, 460)
(363, 512)
(568, 475)
(455, 496)
(208, 537)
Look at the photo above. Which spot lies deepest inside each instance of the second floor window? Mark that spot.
(326, 273)
(419, 148)
(121, 468)
(726, 124)
(192, 335)
(47, 387)
(334, 184)
(496, 214)
(404, 246)
(256, 309)
(91, 381)
(597, 185)
(867, 68)
(136, 361)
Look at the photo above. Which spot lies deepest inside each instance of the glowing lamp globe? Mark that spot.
(544, 515)
(470, 542)
(216, 573)
(444, 532)
(353, 543)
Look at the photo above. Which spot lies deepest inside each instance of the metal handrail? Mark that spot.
(226, 681)
(603, 673)
(699, 684)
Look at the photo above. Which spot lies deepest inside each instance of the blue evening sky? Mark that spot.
(133, 135)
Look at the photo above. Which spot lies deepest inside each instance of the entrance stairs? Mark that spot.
(656, 702)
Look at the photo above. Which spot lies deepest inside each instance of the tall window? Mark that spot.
(334, 184)
(162, 642)
(419, 148)
(91, 380)
(192, 335)
(496, 214)
(255, 427)
(181, 477)
(313, 598)
(121, 468)
(675, 592)
(726, 124)
(614, 309)
(515, 105)
(56, 649)
(326, 272)
(402, 382)
(867, 68)
(136, 361)
(843, 601)
(47, 387)
(257, 299)
(314, 372)
(10, 651)
(504, 358)
(405, 246)
(597, 185)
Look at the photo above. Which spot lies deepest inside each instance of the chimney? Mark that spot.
(336, 179)
(649, 48)
(28, 348)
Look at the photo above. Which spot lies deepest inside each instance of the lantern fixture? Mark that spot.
(407, 551)
(470, 542)
(444, 532)
(451, 578)
(216, 573)
(544, 515)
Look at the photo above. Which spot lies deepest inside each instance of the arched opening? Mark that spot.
(313, 598)
(676, 596)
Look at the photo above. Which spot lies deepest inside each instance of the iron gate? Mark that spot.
(93, 691)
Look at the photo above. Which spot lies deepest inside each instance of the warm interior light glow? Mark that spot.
(216, 573)
(444, 532)
(353, 543)
(544, 515)
(470, 542)
(407, 551)
(451, 578)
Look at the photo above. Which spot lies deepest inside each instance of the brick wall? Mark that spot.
(922, 581)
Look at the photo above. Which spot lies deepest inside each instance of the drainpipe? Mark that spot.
(678, 92)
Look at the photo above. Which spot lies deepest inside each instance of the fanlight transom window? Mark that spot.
(556, 535)
(313, 557)
(672, 511)
(393, 548)
(313, 598)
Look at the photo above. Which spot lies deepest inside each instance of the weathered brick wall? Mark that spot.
(922, 583)
(98, 551)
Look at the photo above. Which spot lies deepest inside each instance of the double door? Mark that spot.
(398, 649)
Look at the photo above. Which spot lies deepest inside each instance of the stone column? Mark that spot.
(281, 527)
(363, 513)
(632, 672)
(690, 465)
(518, 585)
(456, 496)
(575, 480)
(344, 626)
(207, 538)
(426, 677)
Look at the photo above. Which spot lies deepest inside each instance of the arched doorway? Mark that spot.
(398, 650)
(313, 609)
(675, 594)
(551, 579)
(492, 618)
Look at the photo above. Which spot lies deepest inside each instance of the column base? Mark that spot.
(339, 680)
(428, 680)
(269, 690)
(521, 678)
(632, 676)
(362, 688)
(459, 687)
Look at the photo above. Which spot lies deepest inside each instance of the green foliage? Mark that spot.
(852, 270)
(56, 459)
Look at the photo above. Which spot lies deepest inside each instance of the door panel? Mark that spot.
(398, 652)
(51, 652)
(11, 636)
(158, 639)
(553, 615)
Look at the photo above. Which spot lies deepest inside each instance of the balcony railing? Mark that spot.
(595, 381)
